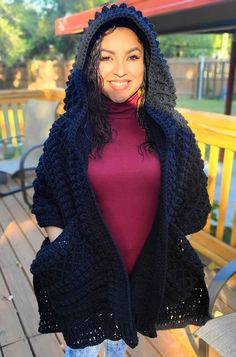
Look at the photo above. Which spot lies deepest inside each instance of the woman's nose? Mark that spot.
(120, 69)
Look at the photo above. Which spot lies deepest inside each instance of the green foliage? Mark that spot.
(12, 153)
(27, 32)
(27, 29)
(227, 230)
(208, 105)
(215, 207)
(12, 44)
(189, 45)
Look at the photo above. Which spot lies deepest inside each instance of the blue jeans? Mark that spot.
(111, 349)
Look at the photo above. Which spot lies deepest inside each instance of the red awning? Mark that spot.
(151, 8)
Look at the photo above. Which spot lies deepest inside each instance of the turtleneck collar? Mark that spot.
(122, 110)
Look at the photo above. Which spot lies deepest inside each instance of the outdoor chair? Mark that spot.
(38, 118)
(219, 332)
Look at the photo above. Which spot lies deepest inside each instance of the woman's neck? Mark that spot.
(122, 110)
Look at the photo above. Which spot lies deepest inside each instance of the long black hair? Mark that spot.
(97, 112)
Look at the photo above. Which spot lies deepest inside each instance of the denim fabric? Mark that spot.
(111, 349)
(90, 351)
(114, 348)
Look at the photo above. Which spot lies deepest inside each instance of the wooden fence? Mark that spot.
(185, 71)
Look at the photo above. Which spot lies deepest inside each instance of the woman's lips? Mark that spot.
(121, 85)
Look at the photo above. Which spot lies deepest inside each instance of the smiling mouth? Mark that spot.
(119, 84)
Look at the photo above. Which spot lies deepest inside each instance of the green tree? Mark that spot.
(27, 29)
(189, 45)
(49, 11)
(12, 44)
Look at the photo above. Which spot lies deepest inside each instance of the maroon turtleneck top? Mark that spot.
(126, 184)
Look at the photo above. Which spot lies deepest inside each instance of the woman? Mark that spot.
(119, 185)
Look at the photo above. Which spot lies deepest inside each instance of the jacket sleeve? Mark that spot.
(44, 206)
(194, 205)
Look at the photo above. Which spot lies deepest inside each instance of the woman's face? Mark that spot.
(121, 64)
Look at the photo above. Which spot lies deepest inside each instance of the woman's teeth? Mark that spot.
(119, 85)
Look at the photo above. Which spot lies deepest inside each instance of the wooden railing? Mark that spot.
(214, 132)
(12, 116)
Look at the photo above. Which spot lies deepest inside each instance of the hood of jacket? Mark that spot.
(160, 89)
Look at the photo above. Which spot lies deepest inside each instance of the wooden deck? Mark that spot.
(20, 239)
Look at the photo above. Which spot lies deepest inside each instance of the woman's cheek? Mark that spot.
(105, 69)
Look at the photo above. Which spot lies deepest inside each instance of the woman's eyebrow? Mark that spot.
(131, 50)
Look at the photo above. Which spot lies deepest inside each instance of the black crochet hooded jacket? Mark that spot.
(81, 284)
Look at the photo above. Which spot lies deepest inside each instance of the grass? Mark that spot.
(208, 105)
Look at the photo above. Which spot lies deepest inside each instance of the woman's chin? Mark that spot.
(118, 97)
(119, 100)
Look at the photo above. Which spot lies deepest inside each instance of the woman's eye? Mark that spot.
(105, 58)
(134, 57)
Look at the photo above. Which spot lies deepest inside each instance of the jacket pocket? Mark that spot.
(185, 268)
(67, 268)
(51, 252)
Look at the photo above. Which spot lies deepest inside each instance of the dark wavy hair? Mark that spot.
(97, 112)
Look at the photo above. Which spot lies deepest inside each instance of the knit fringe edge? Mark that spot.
(199, 321)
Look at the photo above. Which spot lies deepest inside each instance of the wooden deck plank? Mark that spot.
(10, 326)
(25, 221)
(61, 340)
(20, 246)
(46, 345)
(144, 348)
(19, 286)
(22, 292)
(18, 349)
(168, 345)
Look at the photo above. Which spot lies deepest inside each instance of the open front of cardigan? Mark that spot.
(81, 284)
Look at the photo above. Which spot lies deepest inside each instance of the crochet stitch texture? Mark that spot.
(80, 281)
